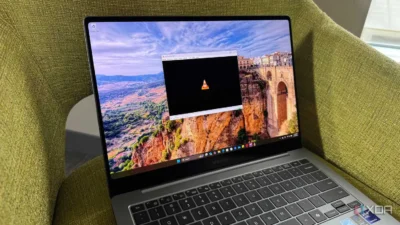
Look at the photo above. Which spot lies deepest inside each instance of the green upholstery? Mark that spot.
(347, 96)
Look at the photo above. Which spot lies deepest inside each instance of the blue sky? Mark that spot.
(135, 48)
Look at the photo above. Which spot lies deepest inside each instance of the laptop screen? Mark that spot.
(173, 92)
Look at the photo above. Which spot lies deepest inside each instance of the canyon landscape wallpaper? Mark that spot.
(130, 80)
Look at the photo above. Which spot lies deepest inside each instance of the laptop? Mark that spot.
(199, 124)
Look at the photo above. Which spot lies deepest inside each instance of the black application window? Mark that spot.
(205, 85)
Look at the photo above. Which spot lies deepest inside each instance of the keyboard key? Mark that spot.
(285, 175)
(294, 164)
(248, 176)
(141, 217)
(305, 205)
(152, 204)
(290, 222)
(240, 214)
(281, 214)
(251, 184)
(319, 175)
(226, 182)
(165, 200)
(287, 185)
(295, 172)
(290, 197)
(201, 199)
(203, 189)
(267, 171)
(253, 209)
(266, 205)
(211, 221)
(187, 203)
(333, 195)
(227, 204)
(277, 168)
(241, 223)
(153, 223)
(199, 213)
(137, 208)
(278, 201)
(294, 209)
(240, 188)
(172, 208)
(184, 218)
(258, 174)
(311, 189)
(213, 208)
(253, 196)
(274, 178)
(269, 218)
(214, 195)
(169, 221)
(265, 192)
(191, 193)
(254, 221)
(307, 168)
(331, 213)
(301, 193)
(337, 204)
(276, 188)
(237, 179)
(316, 201)
(227, 191)
(317, 216)
(298, 182)
(263, 181)
(287, 166)
(215, 185)
(157, 213)
(240, 200)
(226, 218)
(325, 185)
(354, 204)
(343, 209)
(196, 223)
(309, 178)
(304, 161)
(305, 220)
(179, 196)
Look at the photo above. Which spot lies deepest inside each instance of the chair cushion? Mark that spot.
(84, 199)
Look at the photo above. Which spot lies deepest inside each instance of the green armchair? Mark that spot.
(348, 97)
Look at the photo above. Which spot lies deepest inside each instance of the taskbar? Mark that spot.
(238, 147)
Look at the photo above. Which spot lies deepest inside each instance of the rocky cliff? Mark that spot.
(181, 138)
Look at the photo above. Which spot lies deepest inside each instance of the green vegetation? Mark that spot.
(237, 112)
(256, 137)
(165, 155)
(143, 139)
(262, 84)
(170, 125)
(293, 126)
(128, 164)
(242, 136)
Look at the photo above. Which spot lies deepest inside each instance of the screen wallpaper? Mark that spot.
(239, 90)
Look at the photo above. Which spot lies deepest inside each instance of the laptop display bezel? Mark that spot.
(196, 167)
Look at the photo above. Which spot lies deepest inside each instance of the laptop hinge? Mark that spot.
(213, 172)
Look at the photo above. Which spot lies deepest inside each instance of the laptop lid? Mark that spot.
(179, 96)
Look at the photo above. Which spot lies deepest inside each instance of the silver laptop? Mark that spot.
(199, 124)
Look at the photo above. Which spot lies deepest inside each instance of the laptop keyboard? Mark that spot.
(289, 194)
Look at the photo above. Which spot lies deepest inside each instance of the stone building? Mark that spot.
(281, 100)
(245, 63)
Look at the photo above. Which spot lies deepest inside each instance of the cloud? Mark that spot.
(135, 48)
